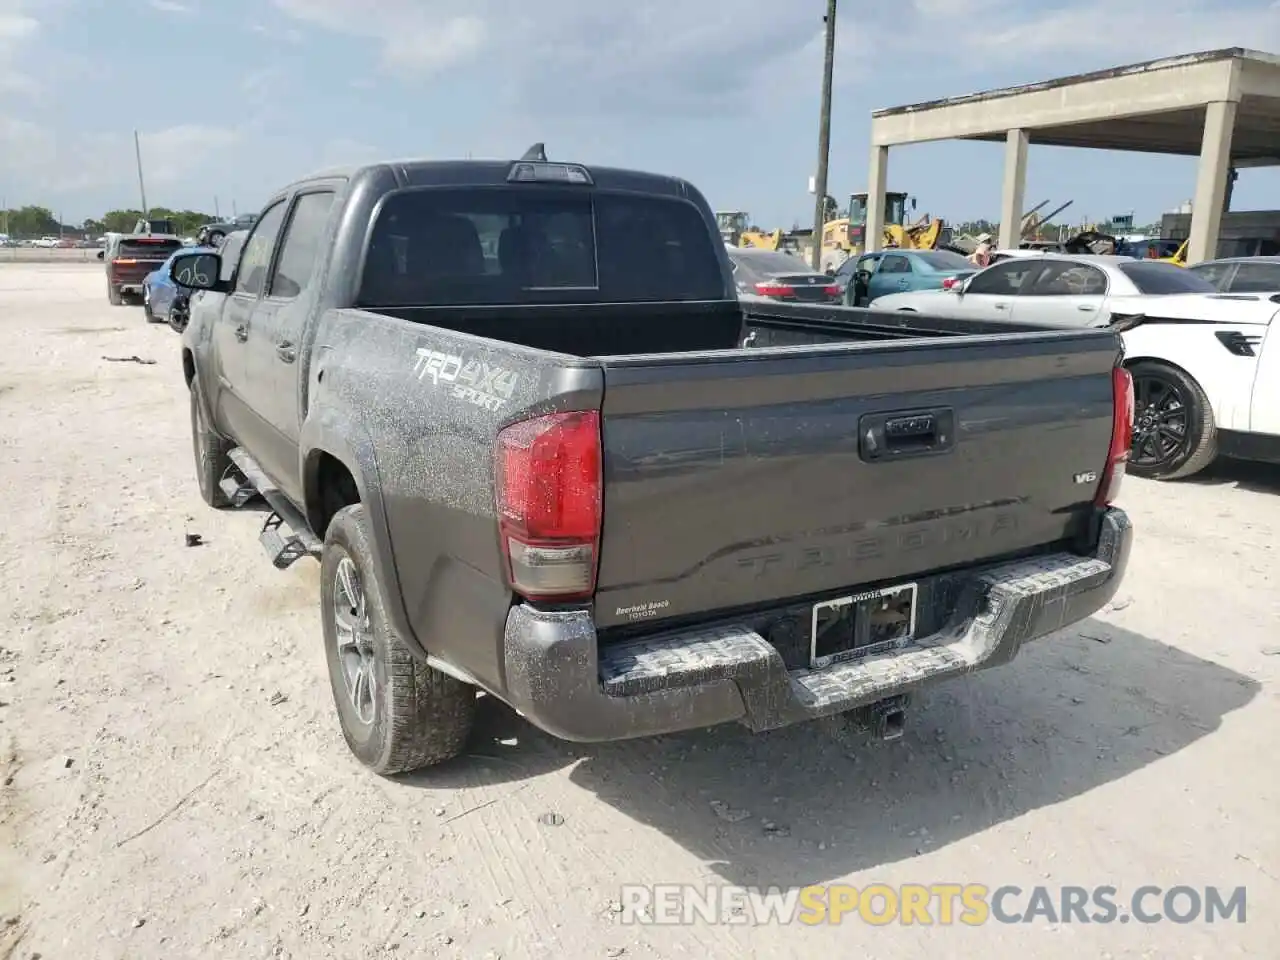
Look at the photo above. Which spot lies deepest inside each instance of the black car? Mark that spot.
(780, 276)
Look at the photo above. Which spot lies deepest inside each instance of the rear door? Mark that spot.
(991, 293)
(273, 385)
(233, 334)
(739, 479)
(1064, 293)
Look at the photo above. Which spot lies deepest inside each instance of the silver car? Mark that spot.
(1241, 274)
(1064, 290)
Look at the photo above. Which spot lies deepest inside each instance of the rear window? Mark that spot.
(943, 260)
(1158, 278)
(768, 263)
(148, 248)
(459, 247)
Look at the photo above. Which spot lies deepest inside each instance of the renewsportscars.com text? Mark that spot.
(942, 904)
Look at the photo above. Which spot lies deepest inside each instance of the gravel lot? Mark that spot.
(175, 785)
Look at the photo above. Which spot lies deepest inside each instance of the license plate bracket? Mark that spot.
(862, 624)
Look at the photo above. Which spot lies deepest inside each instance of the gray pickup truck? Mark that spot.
(541, 450)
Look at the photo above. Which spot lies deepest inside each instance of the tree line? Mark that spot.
(41, 222)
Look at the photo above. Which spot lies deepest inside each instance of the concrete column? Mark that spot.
(1014, 189)
(1211, 180)
(877, 176)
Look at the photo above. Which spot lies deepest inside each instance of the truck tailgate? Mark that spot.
(739, 479)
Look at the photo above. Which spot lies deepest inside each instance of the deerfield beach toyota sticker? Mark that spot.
(474, 381)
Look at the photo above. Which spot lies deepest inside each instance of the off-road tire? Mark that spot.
(421, 716)
(114, 296)
(209, 449)
(1202, 448)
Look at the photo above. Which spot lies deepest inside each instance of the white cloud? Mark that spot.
(171, 6)
(17, 30)
(416, 38)
(37, 161)
(696, 58)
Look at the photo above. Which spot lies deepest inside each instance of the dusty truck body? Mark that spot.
(541, 450)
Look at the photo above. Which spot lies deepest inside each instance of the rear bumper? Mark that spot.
(560, 681)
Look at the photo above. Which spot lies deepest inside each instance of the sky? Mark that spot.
(235, 98)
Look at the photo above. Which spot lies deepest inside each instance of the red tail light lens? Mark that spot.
(950, 283)
(549, 484)
(774, 289)
(1121, 437)
(833, 290)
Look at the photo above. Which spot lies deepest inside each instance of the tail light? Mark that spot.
(1121, 436)
(549, 499)
(950, 283)
(832, 290)
(123, 261)
(774, 289)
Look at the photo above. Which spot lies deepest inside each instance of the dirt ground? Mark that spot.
(175, 784)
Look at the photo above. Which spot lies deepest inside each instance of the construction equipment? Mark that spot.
(925, 234)
(737, 230)
(1032, 225)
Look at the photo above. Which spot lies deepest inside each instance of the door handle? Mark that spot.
(1084, 307)
(242, 332)
(1001, 306)
(285, 351)
(903, 284)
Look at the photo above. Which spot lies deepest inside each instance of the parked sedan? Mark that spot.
(1241, 274)
(878, 274)
(780, 276)
(162, 295)
(1063, 290)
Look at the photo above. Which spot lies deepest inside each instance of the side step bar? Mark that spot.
(285, 534)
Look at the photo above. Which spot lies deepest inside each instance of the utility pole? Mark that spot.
(142, 188)
(217, 214)
(824, 136)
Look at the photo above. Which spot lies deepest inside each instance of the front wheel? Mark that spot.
(1174, 435)
(397, 713)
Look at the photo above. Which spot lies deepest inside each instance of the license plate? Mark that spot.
(862, 624)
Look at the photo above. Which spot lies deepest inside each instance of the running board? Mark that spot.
(285, 534)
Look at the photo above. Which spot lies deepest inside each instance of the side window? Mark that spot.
(1215, 273)
(257, 251)
(893, 263)
(847, 268)
(301, 245)
(1004, 279)
(1257, 278)
(1067, 279)
(870, 262)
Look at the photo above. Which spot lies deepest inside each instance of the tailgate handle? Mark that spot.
(893, 436)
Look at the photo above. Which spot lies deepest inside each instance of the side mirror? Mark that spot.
(102, 254)
(197, 271)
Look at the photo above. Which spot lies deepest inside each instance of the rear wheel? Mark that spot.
(397, 713)
(146, 307)
(1173, 430)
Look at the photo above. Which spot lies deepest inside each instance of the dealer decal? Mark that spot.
(474, 381)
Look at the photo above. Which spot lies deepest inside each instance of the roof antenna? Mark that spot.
(535, 154)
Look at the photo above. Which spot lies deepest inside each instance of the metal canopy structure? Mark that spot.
(1220, 105)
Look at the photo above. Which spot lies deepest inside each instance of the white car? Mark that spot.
(1206, 374)
(1055, 289)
